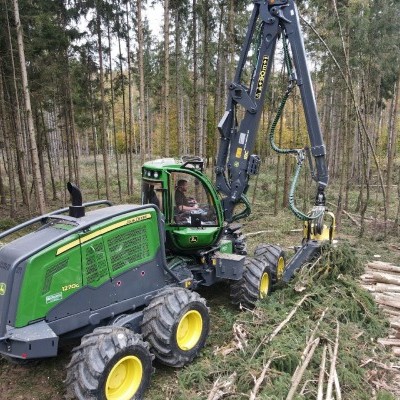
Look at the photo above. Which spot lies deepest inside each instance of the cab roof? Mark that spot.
(189, 162)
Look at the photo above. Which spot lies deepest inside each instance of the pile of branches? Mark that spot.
(316, 339)
(383, 281)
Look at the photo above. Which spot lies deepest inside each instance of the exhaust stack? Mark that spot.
(76, 210)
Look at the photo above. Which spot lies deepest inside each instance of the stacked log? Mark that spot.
(383, 281)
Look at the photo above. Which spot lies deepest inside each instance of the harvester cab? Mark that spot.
(191, 205)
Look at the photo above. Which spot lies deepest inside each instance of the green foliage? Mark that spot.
(331, 286)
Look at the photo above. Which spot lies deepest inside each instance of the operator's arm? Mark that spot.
(182, 202)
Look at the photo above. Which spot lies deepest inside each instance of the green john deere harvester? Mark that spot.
(123, 278)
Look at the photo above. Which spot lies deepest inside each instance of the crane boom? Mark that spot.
(236, 162)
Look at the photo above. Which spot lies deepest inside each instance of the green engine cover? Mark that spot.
(92, 258)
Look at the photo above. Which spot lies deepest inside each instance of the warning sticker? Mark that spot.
(242, 138)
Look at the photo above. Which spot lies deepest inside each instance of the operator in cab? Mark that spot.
(182, 202)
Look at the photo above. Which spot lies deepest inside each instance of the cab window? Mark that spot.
(191, 199)
(152, 194)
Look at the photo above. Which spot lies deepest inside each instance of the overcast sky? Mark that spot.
(155, 15)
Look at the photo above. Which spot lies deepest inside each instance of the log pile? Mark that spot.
(383, 281)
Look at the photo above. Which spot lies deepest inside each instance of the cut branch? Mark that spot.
(298, 374)
(256, 233)
(259, 381)
(269, 338)
(320, 395)
(332, 370)
(222, 387)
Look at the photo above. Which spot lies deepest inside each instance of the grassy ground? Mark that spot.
(360, 323)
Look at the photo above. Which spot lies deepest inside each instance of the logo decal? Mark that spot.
(193, 239)
(2, 289)
(261, 79)
(53, 298)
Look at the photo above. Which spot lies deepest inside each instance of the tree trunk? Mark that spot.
(196, 121)
(50, 161)
(103, 125)
(142, 126)
(113, 113)
(178, 84)
(166, 99)
(392, 144)
(121, 71)
(37, 179)
(206, 63)
(74, 138)
(10, 163)
(94, 137)
(20, 148)
(129, 143)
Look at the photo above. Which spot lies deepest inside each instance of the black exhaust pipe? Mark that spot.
(76, 210)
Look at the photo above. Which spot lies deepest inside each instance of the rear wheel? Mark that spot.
(112, 363)
(254, 285)
(275, 257)
(176, 324)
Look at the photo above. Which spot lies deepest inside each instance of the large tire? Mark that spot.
(176, 324)
(275, 257)
(254, 285)
(112, 363)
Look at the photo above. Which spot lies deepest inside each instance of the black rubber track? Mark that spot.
(270, 254)
(160, 322)
(98, 352)
(246, 291)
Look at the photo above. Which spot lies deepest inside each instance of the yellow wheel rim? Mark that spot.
(264, 285)
(124, 379)
(189, 330)
(280, 268)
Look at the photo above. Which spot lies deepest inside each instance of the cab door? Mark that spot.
(195, 225)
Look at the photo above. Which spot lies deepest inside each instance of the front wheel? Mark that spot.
(112, 363)
(254, 285)
(275, 257)
(176, 324)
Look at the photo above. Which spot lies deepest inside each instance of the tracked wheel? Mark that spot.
(112, 363)
(176, 324)
(254, 285)
(275, 257)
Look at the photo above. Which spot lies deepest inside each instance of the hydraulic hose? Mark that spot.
(300, 153)
(300, 215)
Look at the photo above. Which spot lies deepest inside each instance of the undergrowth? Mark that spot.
(330, 286)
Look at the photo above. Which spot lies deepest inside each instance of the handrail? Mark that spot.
(44, 217)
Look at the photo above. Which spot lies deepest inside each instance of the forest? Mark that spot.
(92, 89)
(88, 85)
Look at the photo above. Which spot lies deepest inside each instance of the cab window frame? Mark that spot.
(173, 178)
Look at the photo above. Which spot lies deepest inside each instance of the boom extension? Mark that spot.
(236, 161)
